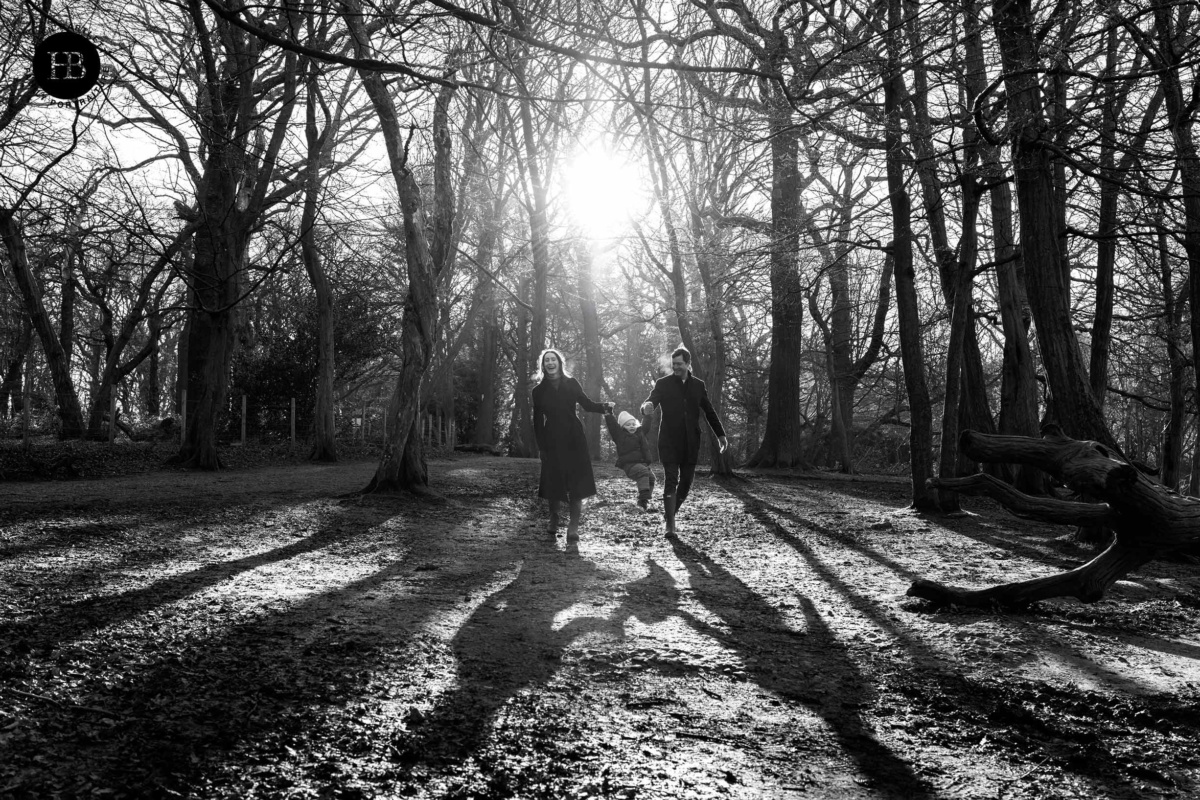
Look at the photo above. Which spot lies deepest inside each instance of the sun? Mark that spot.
(604, 192)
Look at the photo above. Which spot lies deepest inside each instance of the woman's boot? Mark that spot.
(554, 516)
(669, 513)
(576, 513)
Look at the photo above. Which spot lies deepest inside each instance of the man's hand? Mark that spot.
(647, 408)
(723, 442)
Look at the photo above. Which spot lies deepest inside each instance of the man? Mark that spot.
(682, 397)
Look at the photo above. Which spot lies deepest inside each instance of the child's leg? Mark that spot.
(644, 477)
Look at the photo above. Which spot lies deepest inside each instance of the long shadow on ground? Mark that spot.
(797, 669)
(1064, 722)
(183, 716)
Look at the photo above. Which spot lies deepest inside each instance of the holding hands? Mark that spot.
(647, 408)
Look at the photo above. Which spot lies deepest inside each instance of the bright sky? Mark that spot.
(604, 191)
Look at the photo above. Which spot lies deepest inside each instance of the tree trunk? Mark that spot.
(324, 434)
(966, 392)
(417, 328)
(12, 381)
(1170, 463)
(218, 262)
(921, 431)
(489, 346)
(67, 401)
(489, 354)
(721, 463)
(1049, 289)
(229, 202)
(1018, 380)
(960, 321)
(154, 325)
(539, 224)
(593, 376)
(521, 440)
(1181, 108)
(782, 445)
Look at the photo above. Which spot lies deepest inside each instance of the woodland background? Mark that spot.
(874, 224)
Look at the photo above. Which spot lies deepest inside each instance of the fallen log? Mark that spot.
(1148, 520)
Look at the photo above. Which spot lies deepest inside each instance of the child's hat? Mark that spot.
(627, 421)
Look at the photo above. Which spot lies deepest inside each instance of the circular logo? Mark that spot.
(66, 65)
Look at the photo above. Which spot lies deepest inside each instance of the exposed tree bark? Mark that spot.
(1148, 520)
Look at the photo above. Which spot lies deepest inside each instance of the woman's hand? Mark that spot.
(647, 408)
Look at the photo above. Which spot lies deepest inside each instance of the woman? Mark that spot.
(566, 463)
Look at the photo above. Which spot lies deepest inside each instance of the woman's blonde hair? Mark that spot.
(539, 376)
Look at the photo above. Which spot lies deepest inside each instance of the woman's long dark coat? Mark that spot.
(566, 462)
(683, 403)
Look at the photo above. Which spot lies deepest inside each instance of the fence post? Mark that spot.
(293, 422)
(243, 419)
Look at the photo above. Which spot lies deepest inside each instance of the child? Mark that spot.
(633, 453)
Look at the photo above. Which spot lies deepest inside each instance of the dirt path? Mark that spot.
(247, 634)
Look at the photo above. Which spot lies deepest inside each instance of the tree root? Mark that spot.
(1148, 521)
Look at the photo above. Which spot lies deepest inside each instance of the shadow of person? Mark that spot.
(511, 643)
(804, 668)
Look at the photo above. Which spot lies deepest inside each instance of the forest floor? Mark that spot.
(256, 633)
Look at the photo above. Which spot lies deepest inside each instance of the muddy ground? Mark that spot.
(252, 634)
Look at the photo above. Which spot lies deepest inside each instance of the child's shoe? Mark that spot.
(643, 500)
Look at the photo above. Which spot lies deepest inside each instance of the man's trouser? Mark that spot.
(678, 481)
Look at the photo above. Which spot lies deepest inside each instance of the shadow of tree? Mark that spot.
(74, 619)
(999, 703)
(800, 669)
(167, 721)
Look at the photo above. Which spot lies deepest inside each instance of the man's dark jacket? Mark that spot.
(679, 431)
